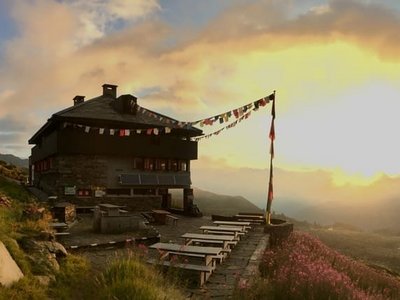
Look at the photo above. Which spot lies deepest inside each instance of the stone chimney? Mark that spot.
(78, 100)
(110, 90)
(128, 104)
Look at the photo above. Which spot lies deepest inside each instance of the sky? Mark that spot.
(334, 65)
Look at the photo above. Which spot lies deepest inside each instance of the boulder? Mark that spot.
(9, 270)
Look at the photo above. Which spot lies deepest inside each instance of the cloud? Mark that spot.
(243, 54)
(11, 125)
(98, 18)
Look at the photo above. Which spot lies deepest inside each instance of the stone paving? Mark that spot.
(242, 262)
(222, 282)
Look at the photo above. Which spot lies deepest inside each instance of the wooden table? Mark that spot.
(224, 230)
(160, 216)
(244, 225)
(251, 218)
(210, 253)
(225, 239)
(187, 249)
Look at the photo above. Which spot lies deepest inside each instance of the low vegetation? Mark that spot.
(305, 268)
(22, 220)
(13, 172)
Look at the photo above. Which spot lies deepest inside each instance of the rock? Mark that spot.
(9, 270)
(56, 248)
(52, 261)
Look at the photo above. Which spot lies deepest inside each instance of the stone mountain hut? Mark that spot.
(110, 149)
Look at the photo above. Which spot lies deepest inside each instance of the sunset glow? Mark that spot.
(333, 66)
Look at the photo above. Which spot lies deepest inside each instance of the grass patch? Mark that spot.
(131, 278)
(26, 288)
(14, 190)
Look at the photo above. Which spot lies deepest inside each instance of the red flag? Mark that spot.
(122, 132)
(272, 131)
(270, 192)
(271, 150)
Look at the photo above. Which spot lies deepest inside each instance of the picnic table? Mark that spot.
(224, 240)
(224, 230)
(258, 219)
(244, 225)
(209, 255)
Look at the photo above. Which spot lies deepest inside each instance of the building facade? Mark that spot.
(109, 148)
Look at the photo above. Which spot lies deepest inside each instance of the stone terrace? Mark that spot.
(242, 262)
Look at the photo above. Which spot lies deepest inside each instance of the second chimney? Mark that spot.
(78, 100)
(110, 90)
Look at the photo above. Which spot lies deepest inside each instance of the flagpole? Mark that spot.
(270, 182)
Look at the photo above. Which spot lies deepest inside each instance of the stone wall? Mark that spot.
(82, 171)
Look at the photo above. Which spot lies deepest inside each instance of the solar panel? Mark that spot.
(129, 179)
(149, 179)
(166, 179)
(182, 179)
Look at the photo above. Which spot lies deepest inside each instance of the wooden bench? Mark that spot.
(173, 219)
(201, 269)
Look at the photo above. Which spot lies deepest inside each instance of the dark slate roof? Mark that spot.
(100, 111)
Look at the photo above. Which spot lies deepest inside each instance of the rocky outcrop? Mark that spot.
(44, 254)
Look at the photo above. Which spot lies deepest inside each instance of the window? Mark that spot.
(174, 165)
(183, 165)
(138, 163)
(161, 165)
(148, 164)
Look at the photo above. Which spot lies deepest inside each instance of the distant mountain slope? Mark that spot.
(210, 203)
(14, 160)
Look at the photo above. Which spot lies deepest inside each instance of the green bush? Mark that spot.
(26, 288)
(75, 280)
(130, 278)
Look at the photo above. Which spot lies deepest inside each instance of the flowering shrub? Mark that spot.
(304, 268)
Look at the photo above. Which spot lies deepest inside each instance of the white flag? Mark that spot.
(101, 131)
(87, 128)
(112, 131)
(127, 132)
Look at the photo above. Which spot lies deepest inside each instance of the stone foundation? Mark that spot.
(279, 231)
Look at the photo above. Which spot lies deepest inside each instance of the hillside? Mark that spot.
(13, 172)
(310, 195)
(14, 160)
(211, 203)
